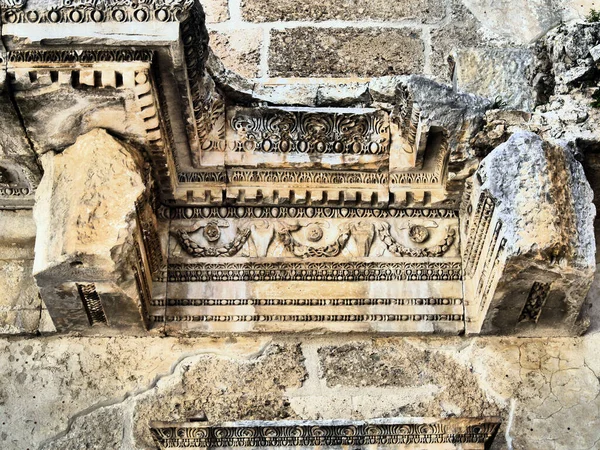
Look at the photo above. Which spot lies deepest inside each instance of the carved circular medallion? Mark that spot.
(314, 233)
(212, 232)
(418, 234)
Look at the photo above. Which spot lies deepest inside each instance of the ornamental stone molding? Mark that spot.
(173, 196)
(426, 434)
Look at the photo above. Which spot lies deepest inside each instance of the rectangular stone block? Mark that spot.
(345, 52)
(216, 10)
(239, 50)
(17, 235)
(425, 11)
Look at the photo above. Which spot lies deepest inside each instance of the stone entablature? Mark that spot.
(251, 209)
(427, 434)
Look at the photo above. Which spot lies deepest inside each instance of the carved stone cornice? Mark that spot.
(202, 143)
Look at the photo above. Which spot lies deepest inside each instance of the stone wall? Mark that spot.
(101, 393)
(363, 38)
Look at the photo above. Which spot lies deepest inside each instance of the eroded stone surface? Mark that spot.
(499, 74)
(345, 52)
(462, 30)
(85, 198)
(225, 389)
(239, 50)
(265, 11)
(216, 10)
(530, 248)
(539, 15)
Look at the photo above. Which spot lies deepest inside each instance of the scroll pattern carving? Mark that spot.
(492, 273)
(82, 56)
(489, 260)
(308, 435)
(202, 177)
(307, 177)
(261, 130)
(478, 231)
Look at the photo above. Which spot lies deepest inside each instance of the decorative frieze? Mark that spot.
(302, 131)
(308, 302)
(275, 212)
(315, 271)
(115, 55)
(318, 177)
(314, 318)
(391, 433)
(306, 238)
(96, 11)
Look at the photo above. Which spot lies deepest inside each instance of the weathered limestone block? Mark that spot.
(239, 50)
(216, 10)
(528, 240)
(521, 21)
(21, 309)
(85, 217)
(55, 114)
(460, 30)
(345, 52)
(500, 124)
(499, 74)
(573, 51)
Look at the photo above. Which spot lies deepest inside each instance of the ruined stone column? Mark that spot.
(87, 234)
(528, 240)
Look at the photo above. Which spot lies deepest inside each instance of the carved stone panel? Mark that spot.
(301, 269)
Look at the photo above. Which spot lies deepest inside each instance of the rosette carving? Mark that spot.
(284, 234)
(230, 249)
